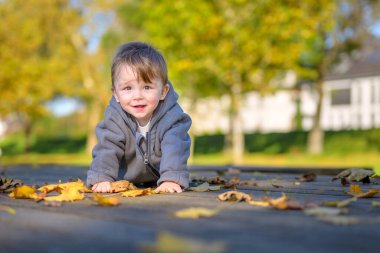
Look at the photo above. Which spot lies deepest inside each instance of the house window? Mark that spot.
(341, 97)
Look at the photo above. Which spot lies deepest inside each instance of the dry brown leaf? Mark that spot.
(25, 192)
(284, 203)
(342, 203)
(359, 175)
(357, 192)
(67, 194)
(211, 180)
(310, 177)
(205, 187)
(137, 193)
(106, 201)
(8, 185)
(195, 212)
(122, 185)
(168, 243)
(234, 196)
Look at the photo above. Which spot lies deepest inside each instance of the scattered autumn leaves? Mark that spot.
(74, 191)
(329, 211)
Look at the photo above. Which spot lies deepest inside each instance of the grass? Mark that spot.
(368, 159)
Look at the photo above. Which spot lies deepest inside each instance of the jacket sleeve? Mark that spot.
(107, 153)
(175, 148)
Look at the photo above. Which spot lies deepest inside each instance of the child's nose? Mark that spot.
(137, 94)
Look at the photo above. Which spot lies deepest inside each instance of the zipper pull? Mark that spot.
(146, 158)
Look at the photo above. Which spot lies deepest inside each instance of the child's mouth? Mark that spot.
(139, 106)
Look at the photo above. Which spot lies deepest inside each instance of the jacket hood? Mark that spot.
(163, 106)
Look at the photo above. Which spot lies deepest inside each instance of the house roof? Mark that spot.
(367, 64)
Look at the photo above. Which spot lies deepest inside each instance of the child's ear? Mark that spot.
(165, 91)
(115, 95)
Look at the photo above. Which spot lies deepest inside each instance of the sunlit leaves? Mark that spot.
(195, 213)
(106, 201)
(169, 243)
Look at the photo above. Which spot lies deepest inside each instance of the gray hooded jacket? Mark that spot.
(161, 156)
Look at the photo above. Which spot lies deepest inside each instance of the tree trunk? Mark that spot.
(237, 125)
(94, 115)
(27, 130)
(316, 135)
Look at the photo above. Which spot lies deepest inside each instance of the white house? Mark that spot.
(351, 101)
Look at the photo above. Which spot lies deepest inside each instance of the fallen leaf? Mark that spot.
(357, 192)
(310, 177)
(342, 203)
(234, 196)
(25, 192)
(344, 181)
(359, 175)
(122, 185)
(195, 212)
(205, 187)
(137, 193)
(376, 203)
(8, 185)
(338, 220)
(212, 180)
(258, 203)
(325, 211)
(169, 243)
(78, 185)
(106, 201)
(8, 209)
(284, 203)
(67, 194)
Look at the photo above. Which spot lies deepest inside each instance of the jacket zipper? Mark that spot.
(146, 157)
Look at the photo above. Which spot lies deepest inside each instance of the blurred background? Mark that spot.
(266, 82)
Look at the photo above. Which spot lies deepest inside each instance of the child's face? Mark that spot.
(136, 97)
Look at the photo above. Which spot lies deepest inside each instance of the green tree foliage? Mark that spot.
(37, 57)
(341, 27)
(222, 47)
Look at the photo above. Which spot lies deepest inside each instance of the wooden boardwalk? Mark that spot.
(83, 225)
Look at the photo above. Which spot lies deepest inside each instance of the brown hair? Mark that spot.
(146, 61)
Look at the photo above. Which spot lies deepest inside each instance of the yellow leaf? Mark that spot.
(136, 193)
(168, 243)
(342, 203)
(283, 203)
(106, 201)
(195, 212)
(376, 203)
(67, 194)
(356, 191)
(24, 192)
(8, 209)
(258, 203)
(79, 185)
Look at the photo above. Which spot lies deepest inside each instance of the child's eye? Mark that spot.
(146, 87)
(127, 88)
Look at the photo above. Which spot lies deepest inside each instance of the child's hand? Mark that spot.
(169, 187)
(101, 187)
